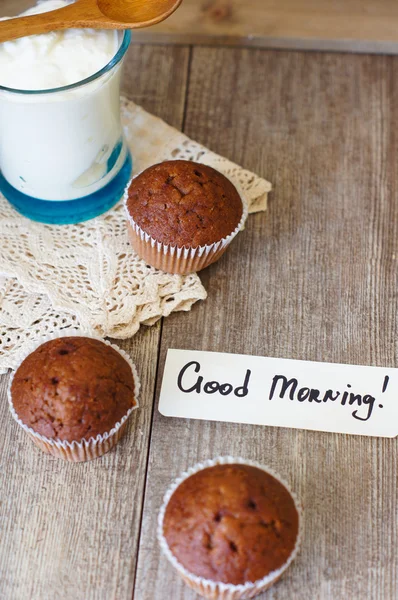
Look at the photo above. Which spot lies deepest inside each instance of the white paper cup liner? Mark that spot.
(175, 259)
(217, 590)
(84, 450)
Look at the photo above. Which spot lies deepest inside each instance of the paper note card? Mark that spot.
(280, 392)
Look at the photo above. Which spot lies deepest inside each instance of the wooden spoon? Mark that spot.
(97, 14)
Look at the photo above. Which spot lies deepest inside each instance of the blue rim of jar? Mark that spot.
(108, 67)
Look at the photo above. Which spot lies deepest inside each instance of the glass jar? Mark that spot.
(63, 155)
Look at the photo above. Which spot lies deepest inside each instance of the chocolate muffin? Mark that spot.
(233, 524)
(73, 389)
(182, 205)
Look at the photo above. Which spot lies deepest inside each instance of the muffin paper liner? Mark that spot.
(217, 590)
(175, 259)
(83, 450)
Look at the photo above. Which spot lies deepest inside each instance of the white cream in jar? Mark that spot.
(56, 59)
(60, 131)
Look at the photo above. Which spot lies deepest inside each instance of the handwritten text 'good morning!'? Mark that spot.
(190, 381)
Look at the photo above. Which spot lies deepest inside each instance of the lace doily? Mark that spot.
(86, 275)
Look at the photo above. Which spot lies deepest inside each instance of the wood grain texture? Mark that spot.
(349, 25)
(70, 532)
(314, 278)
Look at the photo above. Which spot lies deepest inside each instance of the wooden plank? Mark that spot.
(314, 278)
(71, 531)
(349, 25)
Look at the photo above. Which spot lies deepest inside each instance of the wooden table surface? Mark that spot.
(314, 278)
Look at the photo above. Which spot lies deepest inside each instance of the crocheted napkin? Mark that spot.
(86, 275)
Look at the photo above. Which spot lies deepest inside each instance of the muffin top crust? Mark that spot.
(231, 523)
(73, 388)
(184, 204)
